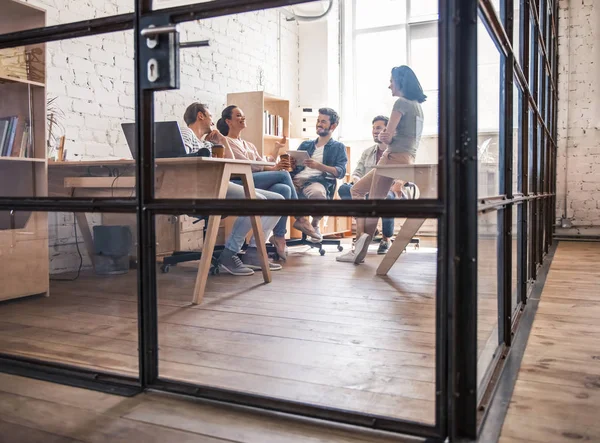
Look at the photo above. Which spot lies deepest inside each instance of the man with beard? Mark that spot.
(368, 160)
(316, 178)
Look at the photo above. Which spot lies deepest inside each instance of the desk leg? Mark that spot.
(206, 258)
(257, 229)
(408, 231)
(209, 241)
(88, 241)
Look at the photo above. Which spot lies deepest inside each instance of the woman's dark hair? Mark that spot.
(191, 113)
(227, 114)
(407, 82)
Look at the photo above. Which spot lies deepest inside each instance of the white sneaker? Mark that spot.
(348, 257)
(361, 247)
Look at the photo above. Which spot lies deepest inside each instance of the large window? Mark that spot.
(379, 35)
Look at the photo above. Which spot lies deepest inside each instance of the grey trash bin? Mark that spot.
(112, 245)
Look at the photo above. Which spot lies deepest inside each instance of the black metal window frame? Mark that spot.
(458, 412)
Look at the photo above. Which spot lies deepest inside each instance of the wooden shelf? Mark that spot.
(254, 104)
(22, 159)
(24, 234)
(5, 79)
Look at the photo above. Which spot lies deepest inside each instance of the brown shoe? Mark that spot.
(304, 226)
(279, 243)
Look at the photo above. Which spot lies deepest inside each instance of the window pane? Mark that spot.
(424, 54)
(488, 113)
(20, 16)
(423, 9)
(371, 14)
(372, 96)
(70, 282)
(424, 61)
(516, 251)
(516, 135)
(487, 294)
(368, 346)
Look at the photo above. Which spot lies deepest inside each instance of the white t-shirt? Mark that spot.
(309, 173)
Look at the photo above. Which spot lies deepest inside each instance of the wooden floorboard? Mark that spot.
(325, 333)
(38, 411)
(557, 394)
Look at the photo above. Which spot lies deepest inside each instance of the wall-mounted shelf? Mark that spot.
(22, 159)
(6, 79)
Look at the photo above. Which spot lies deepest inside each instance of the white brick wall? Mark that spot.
(92, 78)
(578, 176)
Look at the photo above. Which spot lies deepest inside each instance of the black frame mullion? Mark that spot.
(535, 143)
(506, 165)
(147, 300)
(462, 192)
(446, 235)
(525, 131)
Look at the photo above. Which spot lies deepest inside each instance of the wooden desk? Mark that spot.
(425, 177)
(190, 177)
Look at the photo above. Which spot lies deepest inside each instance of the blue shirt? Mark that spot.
(334, 154)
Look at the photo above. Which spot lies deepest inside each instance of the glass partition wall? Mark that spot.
(155, 268)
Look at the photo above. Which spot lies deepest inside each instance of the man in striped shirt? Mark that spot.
(200, 133)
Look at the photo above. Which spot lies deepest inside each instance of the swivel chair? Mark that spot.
(303, 241)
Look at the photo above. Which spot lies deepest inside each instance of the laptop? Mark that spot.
(168, 142)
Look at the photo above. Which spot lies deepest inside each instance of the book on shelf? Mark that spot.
(8, 129)
(26, 143)
(272, 124)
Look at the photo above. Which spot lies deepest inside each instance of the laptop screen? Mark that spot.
(168, 142)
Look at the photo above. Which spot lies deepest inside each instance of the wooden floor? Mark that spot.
(557, 394)
(33, 411)
(322, 332)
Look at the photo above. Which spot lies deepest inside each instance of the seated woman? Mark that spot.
(270, 178)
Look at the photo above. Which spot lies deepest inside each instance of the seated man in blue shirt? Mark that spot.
(200, 133)
(316, 178)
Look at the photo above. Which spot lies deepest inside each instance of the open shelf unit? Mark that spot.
(255, 104)
(23, 164)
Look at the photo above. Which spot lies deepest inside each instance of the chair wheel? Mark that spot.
(165, 269)
(322, 252)
(340, 248)
(214, 270)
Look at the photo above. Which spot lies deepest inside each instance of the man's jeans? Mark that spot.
(242, 225)
(387, 224)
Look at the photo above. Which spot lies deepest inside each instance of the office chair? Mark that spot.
(303, 241)
(184, 256)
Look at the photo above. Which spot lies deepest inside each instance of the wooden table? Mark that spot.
(189, 177)
(425, 177)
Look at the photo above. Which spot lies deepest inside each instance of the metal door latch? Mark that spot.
(159, 54)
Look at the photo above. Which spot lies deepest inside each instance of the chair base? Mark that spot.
(305, 242)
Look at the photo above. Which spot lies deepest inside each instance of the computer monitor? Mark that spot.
(168, 142)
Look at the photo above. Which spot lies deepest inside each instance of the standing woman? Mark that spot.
(269, 178)
(402, 135)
